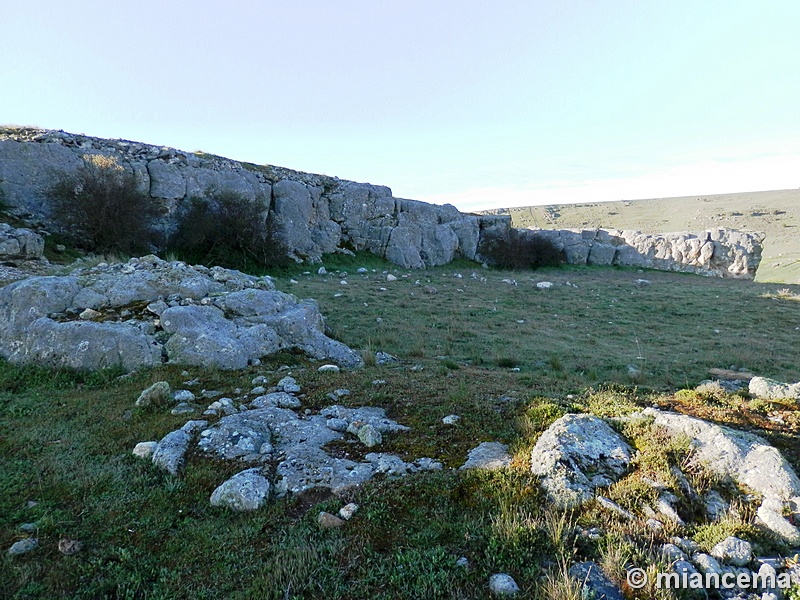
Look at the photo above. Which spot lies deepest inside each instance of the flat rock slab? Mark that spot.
(488, 455)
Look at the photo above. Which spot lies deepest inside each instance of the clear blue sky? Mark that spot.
(480, 104)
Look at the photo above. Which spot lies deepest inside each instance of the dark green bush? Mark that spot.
(102, 209)
(520, 249)
(228, 229)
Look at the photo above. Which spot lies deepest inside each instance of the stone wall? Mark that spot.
(317, 214)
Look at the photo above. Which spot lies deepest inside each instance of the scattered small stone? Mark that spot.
(90, 315)
(260, 380)
(68, 546)
(341, 393)
(391, 277)
(348, 510)
(384, 358)
(258, 390)
(463, 562)
(378, 382)
(145, 449)
(293, 281)
(328, 521)
(23, 546)
(362, 270)
(451, 419)
(158, 393)
(337, 425)
(615, 508)
(289, 385)
(672, 553)
(183, 396)
(183, 408)
(501, 584)
(328, 369)
(343, 282)
(157, 307)
(707, 563)
(322, 271)
(544, 285)
(210, 394)
(641, 282)
(733, 551)
(28, 528)
(488, 455)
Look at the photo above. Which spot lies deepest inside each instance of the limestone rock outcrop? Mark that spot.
(211, 317)
(20, 243)
(746, 459)
(717, 252)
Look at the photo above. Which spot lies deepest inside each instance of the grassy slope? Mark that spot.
(776, 213)
(66, 438)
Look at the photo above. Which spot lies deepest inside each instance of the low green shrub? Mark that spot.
(518, 249)
(228, 229)
(102, 209)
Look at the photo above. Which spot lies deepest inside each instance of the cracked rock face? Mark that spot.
(576, 455)
(210, 317)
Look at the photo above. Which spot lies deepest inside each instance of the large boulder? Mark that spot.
(20, 243)
(746, 459)
(576, 455)
(214, 318)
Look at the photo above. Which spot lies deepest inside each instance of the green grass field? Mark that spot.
(509, 359)
(776, 213)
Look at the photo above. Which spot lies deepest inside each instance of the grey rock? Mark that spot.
(20, 243)
(348, 511)
(157, 394)
(280, 399)
(733, 551)
(369, 436)
(594, 582)
(716, 506)
(761, 387)
(682, 566)
(23, 546)
(183, 408)
(672, 553)
(577, 454)
(247, 490)
(145, 449)
(289, 385)
(707, 563)
(502, 584)
(242, 435)
(488, 455)
(170, 451)
(183, 396)
(451, 419)
(615, 508)
(745, 458)
(243, 321)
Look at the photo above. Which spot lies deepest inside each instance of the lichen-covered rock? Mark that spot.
(170, 451)
(748, 460)
(762, 387)
(594, 582)
(247, 490)
(502, 584)
(577, 454)
(733, 551)
(217, 318)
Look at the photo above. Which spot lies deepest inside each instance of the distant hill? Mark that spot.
(776, 213)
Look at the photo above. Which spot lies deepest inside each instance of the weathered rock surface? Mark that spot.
(762, 387)
(488, 455)
(746, 459)
(310, 214)
(20, 243)
(716, 252)
(577, 454)
(247, 490)
(217, 318)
